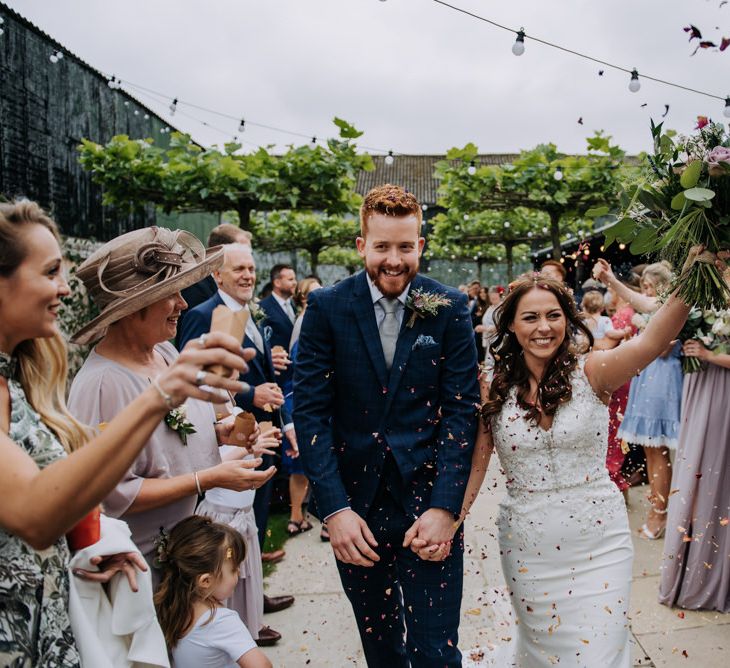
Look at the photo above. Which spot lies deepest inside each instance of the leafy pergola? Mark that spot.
(487, 237)
(295, 230)
(188, 177)
(565, 187)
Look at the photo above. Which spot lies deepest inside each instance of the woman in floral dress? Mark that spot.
(49, 481)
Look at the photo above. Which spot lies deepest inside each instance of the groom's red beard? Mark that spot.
(389, 285)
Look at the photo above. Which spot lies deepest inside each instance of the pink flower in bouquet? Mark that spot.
(701, 122)
(716, 158)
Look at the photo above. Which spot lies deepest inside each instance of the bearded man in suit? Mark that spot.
(385, 396)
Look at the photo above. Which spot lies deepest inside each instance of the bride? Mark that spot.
(564, 537)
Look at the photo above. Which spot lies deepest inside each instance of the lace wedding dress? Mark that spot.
(564, 539)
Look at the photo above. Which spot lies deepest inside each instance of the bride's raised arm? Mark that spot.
(607, 370)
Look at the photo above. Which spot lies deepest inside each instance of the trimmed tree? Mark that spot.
(186, 177)
(566, 188)
(301, 230)
(487, 237)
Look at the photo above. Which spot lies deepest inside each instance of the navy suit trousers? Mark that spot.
(401, 591)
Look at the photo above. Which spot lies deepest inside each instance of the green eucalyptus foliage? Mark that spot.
(187, 177)
(681, 198)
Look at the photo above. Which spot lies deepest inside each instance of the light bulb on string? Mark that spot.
(55, 57)
(726, 111)
(2, 20)
(173, 107)
(314, 143)
(471, 169)
(558, 174)
(242, 125)
(112, 83)
(634, 84)
(518, 48)
(389, 158)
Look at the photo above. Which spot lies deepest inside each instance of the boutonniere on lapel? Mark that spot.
(257, 313)
(424, 304)
(177, 420)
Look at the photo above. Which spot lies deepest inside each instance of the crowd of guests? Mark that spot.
(162, 453)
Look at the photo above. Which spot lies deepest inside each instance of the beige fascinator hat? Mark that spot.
(138, 269)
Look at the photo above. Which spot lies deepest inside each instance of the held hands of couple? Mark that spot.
(181, 380)
(431, 535)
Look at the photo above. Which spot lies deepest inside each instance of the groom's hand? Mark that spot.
(351, 539)
(432, 530)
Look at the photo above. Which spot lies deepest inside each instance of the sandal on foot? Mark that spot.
(293, 528)
(306, 525)
(647, 533)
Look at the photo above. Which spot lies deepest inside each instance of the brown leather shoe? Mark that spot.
(276, 603)
(272, 557)
(268, 637)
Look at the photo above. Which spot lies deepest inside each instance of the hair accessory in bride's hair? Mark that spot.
(161, 544)
(229, 553)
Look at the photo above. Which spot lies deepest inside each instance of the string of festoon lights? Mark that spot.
(518, 49)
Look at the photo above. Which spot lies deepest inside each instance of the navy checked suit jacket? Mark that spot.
(349, 410)
(260, 368)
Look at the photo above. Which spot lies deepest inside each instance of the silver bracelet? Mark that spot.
(197, 483)
(164, 395)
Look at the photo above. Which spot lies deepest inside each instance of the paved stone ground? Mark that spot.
(318, 630)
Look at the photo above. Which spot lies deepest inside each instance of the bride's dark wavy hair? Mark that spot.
(510, 369)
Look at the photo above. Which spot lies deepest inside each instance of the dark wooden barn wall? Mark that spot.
(45, 110)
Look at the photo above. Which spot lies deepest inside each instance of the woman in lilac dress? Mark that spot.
(695, 572)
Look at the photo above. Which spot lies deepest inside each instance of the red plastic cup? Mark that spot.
(86, 532)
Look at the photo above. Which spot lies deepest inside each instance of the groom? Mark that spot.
(384, 409)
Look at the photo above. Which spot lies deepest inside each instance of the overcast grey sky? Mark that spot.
(414, 76)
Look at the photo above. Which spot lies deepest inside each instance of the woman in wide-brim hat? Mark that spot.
(135, 280)
(49, 481)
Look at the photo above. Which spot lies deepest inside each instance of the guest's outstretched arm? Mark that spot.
(636, 300)
(40, 506)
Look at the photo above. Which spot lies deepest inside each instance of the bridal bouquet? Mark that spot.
(683, 200)
(711, 328)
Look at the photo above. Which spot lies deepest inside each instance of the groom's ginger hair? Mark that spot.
(389, 200)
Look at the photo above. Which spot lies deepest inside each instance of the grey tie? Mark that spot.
(254, 334)
(389, 329)
(290, 310)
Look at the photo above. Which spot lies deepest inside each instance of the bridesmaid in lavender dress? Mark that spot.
(696, 562)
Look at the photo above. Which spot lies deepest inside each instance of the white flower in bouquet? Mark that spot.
(721, 326)
(708, 340)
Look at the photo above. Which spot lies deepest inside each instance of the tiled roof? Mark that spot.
(415, 173)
